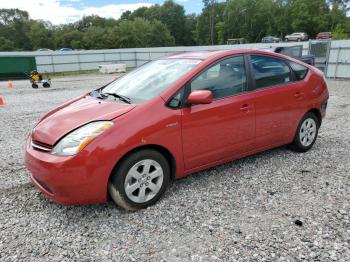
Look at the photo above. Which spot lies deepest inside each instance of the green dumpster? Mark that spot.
(12, 67)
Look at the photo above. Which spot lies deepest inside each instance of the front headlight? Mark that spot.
(75, 141)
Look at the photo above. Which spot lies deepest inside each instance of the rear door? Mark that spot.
(278, 99)
(226, 127)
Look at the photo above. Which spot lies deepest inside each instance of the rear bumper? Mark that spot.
(67, 180)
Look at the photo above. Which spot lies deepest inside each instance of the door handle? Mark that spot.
(298, 95)
(245, 108)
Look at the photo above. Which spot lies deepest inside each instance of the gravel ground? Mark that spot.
(274, 206)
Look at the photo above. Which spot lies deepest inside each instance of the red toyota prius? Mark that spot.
(170, 118)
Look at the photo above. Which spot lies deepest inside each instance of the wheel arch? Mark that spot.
(317, 113)
(312, 110)
(161, 149)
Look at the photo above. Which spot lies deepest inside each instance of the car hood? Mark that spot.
(74, 114)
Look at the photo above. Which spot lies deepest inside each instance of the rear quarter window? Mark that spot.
(300, 71)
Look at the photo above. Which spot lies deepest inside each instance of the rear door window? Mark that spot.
(269, 71)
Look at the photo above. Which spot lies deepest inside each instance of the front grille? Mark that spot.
(40, 146)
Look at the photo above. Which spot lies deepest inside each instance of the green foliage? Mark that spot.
(167, 25)
(220, 29)
(39, 35)
(6, 45)
(142, 33)
(14, 26)
(339, 33)
(172, 15)
(310, 16)
(253, 19)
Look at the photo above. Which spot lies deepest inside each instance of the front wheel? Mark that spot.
(140, 180)
(306, 133)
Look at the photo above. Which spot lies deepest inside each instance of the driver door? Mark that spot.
(224, 128)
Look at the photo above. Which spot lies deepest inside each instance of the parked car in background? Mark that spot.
(170, 118)
(297, 37)
(65, 49)
(44, 49)
(324, 36)
(293, 51)
(270, 39)
(236, 41)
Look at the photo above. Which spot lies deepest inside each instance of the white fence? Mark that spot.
(337, 60)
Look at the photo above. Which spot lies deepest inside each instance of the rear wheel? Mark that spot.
(35, 86)
(306, 133)
(140, 180)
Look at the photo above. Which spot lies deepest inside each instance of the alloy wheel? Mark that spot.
(307, 133)
(143, 181)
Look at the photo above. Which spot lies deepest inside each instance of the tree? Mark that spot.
(220, 29)
(125, 15)
(14, 26)
(160, 35)
(250, 19)
(6, 45)
(93, 21)
(339, 33)
(68, 37)
(39, 35)
(310, 16)
(172, 15)
(190, 26)
(211, 4)
(94, 38)
(167, 24)
(142, 33)
(206, 26)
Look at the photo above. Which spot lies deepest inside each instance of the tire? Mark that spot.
(306, 133)
(46, 85)
(131, 173)
(35, 86)
(299, 39)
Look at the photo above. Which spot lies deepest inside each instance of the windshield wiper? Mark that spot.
(120, 97)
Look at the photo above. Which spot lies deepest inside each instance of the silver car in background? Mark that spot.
(297, 37)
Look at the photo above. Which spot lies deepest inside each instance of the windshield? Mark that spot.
(151, 79)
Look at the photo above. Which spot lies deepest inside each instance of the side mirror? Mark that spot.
(200, 97)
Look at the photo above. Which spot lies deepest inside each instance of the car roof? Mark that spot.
(204, 55)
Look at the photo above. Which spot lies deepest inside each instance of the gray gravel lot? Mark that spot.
(242, 211)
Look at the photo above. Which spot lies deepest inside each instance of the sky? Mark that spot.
(67, 11)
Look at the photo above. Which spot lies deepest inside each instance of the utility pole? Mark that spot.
(210, 5)
(212, 26)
